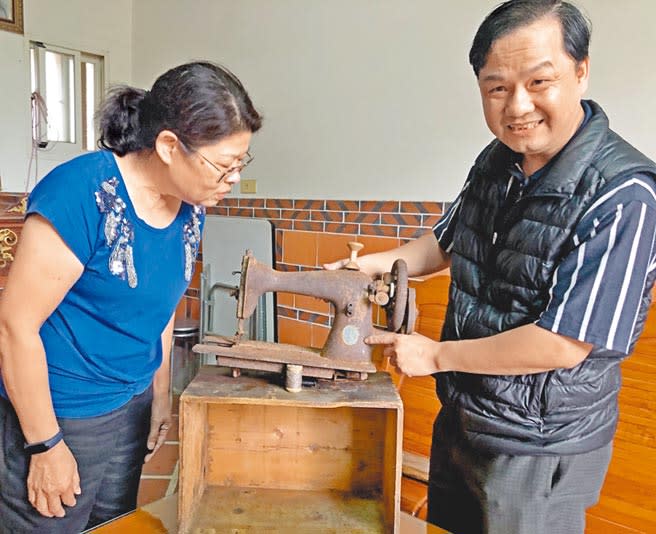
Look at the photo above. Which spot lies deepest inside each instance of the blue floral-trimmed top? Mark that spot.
(103, 341)
(119, 234)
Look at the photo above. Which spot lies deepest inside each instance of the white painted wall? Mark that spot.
(89, 25)
(374, 99)
(363, 99)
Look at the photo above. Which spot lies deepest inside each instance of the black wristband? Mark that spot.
(43, 446)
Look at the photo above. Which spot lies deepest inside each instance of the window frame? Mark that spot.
(99, 62)
(62, 150)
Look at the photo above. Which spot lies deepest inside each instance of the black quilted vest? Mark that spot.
(502, 285)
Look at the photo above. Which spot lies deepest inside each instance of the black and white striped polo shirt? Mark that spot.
(597, 288)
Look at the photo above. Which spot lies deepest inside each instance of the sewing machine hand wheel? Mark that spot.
(398, 303)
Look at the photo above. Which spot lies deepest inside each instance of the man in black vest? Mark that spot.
(551, 245)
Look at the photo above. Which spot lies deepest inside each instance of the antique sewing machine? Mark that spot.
(344, 355)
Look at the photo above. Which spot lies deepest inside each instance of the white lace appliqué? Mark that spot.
(119, 233)
(191, 238)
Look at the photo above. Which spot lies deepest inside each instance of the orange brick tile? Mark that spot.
(268, 213)
(282, 224)
(230, 202)
(163, 463)
(377, 244)
(381, 230)
(291, 313)
(343, 205)
(279, 203)
(389, 206)
(299, 248)
(319, 336)
(195, 279)
(339, 228)
(285, 299)
(297, 215)
(430, 220)
(251, 202)
(412, 232)
(361, 217)
(181, 309)
(332, 216)
(217, 210)
(332, 247)
(421, 207)
(241, 212)
(151, 490)
(193, 307)
(313, 318)
(311, 226)
(308, 204)
(403, 219)
(294, 332)
(173, 434)
(303, 302)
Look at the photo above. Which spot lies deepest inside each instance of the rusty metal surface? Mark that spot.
(256, 365)
(348, 291)
(277, 353)
(411, 312)
(396, 307)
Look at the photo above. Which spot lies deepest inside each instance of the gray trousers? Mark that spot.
(471, 492)
(109, 450)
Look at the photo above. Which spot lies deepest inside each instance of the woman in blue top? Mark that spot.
(86, 317)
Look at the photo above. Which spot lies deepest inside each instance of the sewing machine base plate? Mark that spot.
(275, 357)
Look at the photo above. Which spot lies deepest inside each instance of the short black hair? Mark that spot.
(514, 14)
(200, 102)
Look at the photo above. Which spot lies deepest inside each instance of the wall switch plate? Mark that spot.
(248, 186)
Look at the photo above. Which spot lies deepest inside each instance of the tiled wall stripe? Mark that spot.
(402, 219)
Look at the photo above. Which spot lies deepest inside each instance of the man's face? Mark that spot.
(531, 90)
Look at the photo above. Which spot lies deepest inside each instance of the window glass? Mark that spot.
(59, 95)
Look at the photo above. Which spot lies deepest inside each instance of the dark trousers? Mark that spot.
(471, 492)
(109, 451)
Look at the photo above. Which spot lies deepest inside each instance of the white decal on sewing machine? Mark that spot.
(350, 334)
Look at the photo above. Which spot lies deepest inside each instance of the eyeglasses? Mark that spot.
(245, 161)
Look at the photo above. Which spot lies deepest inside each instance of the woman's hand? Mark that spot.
(53, 480)
(160, 422)
(412, 355)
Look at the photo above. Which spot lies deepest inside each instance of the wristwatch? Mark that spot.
(43, 446)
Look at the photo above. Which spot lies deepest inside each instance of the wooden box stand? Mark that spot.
(256, 458)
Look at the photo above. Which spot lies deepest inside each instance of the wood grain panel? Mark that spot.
(289, 454)
(413, 497)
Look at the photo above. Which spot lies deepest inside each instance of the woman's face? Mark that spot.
(211, 170)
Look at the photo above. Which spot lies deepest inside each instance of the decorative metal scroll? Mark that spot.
(8, 240)
(21, 207)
